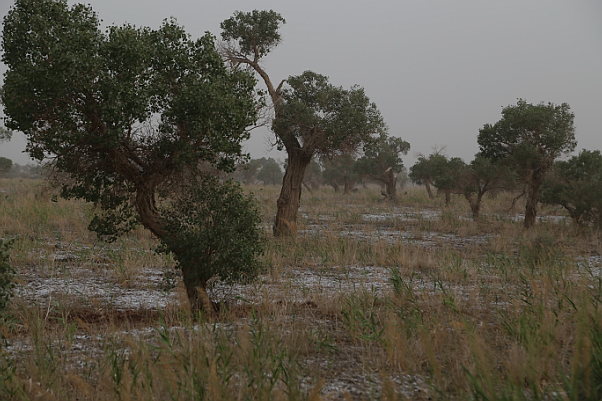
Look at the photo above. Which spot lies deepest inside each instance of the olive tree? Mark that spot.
(426, 169)
(576, 185)
(446, 175)
(269, 172)
(312, 117)
(530, 138)
(137, 118)
(381, 161)
(479, 177)
(5, 165)
(339, 171)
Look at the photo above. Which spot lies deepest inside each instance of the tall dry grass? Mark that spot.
(466, 310)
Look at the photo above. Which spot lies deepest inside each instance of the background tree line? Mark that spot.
(523, 152)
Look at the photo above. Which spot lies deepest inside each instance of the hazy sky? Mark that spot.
(438, 70)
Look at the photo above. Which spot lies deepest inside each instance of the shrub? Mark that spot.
(7, 273)
(214, 231)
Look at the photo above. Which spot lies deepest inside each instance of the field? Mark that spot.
(372, 300)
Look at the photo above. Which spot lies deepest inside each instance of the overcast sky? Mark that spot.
(437, 69)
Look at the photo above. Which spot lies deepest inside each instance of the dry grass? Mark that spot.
(371, 301)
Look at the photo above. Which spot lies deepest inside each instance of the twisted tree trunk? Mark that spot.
(290, 194)
(388, 178)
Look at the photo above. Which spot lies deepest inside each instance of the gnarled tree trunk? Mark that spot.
(348, 186)
(196, 289)
(475, 204)
(390, 181)
(290, 194)
(427, 185)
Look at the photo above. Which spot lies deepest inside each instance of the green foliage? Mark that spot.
(269, 172)
(339, 171)
(483, 175)
(247, 172)
(532, 135)
(426, 169)
(529, 138)
(123, 112)
(328, 120)
(539, 252)
(381, 154)
(7, 273)
(256, 32)
(447, 171)
(128, 115)
(214, 230)
(313, 175)
(576, 185)
(5, 165)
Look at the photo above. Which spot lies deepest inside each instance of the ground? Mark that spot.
(373, 300)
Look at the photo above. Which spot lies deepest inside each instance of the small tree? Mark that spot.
(339, 171)
(381, 161)
(311, 116)
(312, 179)
(426, 169)
(480, 177)
(247, 172)
(446, 173)
(127, 115)
(213, 231)
(269, 171)
(530, 138)
(576, 185)
(5, 166)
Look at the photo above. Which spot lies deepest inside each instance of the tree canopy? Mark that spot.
(382, 160)
(128, 115)
(530, 138)
(576, 185)
(312, 117)
(426, 169)
(323, 119)
(5, 165)
(269, 172)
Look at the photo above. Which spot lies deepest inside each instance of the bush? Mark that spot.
(214, 230)
(7, 273)
(539, 251)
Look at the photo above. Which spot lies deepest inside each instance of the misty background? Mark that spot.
(438, 70)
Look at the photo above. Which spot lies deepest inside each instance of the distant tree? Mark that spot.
(479, 177)
(530, 138)
(426, 169)
(312, 178)
(5, 166)
(246, 172)
(403, 178)
(311, 116)
(381, 161)
(446, 173)
(5, 134)
(576, 185)
(130, 116)
(269, 171)
(339, 171)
